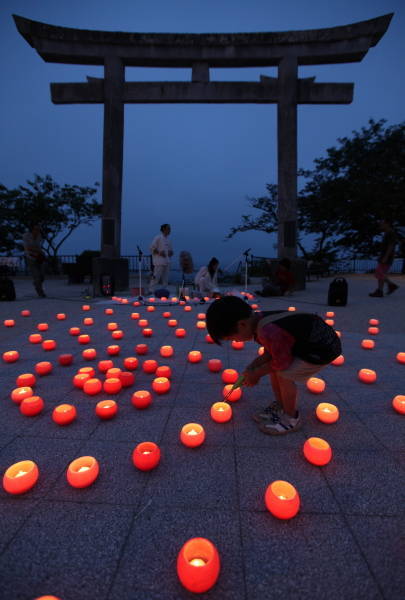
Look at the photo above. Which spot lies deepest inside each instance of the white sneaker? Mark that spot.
(279, 424)
(267, 413)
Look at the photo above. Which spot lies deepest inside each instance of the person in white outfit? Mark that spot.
(206, 279)
(162, 251)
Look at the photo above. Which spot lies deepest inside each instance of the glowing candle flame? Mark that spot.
(192, 432)
(20, 473)
(83, 469)
(198, 562)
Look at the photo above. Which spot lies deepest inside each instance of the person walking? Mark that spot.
(385, 260)
(35, 257)
(162, 251)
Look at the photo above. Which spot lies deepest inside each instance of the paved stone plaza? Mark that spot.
(119, 538)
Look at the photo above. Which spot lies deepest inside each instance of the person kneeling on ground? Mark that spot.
(296, 346)
(206, 279)
(281, 283)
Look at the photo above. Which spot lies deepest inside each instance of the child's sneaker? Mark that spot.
(267, 413)
(281, 424)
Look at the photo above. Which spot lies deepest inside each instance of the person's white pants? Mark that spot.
(160, 276)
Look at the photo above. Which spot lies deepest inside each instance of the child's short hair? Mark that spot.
(223, 315)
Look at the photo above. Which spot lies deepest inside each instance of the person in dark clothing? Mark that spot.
(385, 260)
(296, 346)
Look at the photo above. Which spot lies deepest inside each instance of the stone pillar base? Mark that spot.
(116, 268)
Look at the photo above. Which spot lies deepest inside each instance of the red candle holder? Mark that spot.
(180, 333)
(141, 349)
(373, 330)
(192, 435)
(401, 358)
(88, 321)
(49, 345)
(316, 385)
(43, 368)
(35, 338)
(291, 309)
(11, 356)
(106, 409)
(92, 386)
(143, 322)
(330, 314)
(150, 308)
(255, 306)
(317, 451)
(373, 322)
(113, 372)
(398, 403)
(147, 332)
(112, 326)
(20, 393)
(260, 350)
(161, 385)
(368, 344)
(134, 315)
(64, 414)
(339, 360)
(188, 308)
(201, 316)
(9, 323)
(136, 303)
(194, 356)
(141, 399)
(131, 363)
(127, 378)
(234, 395)
(198, 565)
(65, 359)
(90, 371)
(282, 499)
(79, 379)
(25, 313)
(163, 371)
(82, 472)
(108, 311)
(367, 375)
(86, 307)
(215, 365)
(146, 456)
(166, 351)
(149, 366)
(32, 406)
(112, 385)
(237, 345)
(74, 331)
(201, 325)
(117, 334)
(113, 350)
(327, 413)
(167, 314)
(84, 338)
(26, 379)
(221, 412)
(330, 322)
(20, 477)
(209, 339)
(89, 354)
(104, 365)
(230, 376)
(172, 323)
(42, 326)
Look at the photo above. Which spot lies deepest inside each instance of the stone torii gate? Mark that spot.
(286, 50)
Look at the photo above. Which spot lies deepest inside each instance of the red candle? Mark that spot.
(64, 414)
(201, 316)
(368, 344)
(90, 371)
(112, 326)
(85, 307)
(330, 314)
(65, 359)
(150, 308)
(43, 368)
(172, 323)
(237, 345)
(230, 376)
(104, 365)
(221, 412)
(149, 366)
(9, 323)
(79, 379)
(167, 314)
(339, 360)
(147, 332)
(113, 372)
(131, 363)
(282, 499)
(141, 348)
(234, 395)
(32, 406)
(112, 385)
(92, 386)
(25, 313)
(180, 333)
(187, 308)
(136, 303)
(108, 311)
(146, 456)
(367, 375)
(291, 309)
(106, 409)
(74, 331)
(35, 338)
(163, 371)
(134, 315)
(141, 399)
(113, 350)
(25, 379)
(20, 393)
(192, 435)
(398, 403)
(373, 330)
(42, 326)
(201, 325)
(127, 378)
(82, 472)
(20, 477)
(49, 345)
(88, 321)
(11, 356)
(117, 334)
(327, 413)
(215, 365)
(401, 357)
(143, 322)
(315, 385)
(198, 565)
(89, 354)
(84, 338)
(373, 322)
(317, 451)
(161, 385)
(209, 339)
(166, 351)
(330, 322)
(194, 356)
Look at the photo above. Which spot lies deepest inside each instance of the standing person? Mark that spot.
(385, 260)
(35, 256)
(206, 279)
(297, 345)
(162, 251)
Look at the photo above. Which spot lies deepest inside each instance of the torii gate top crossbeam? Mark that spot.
(343, 44)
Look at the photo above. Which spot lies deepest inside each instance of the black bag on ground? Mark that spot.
(7, 289)
(337, 293)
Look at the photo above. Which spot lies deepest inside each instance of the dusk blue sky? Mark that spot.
(190, 165)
